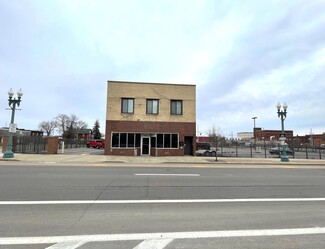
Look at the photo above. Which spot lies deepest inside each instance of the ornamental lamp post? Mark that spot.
(254, 118)
(12, 127)
(283, 114)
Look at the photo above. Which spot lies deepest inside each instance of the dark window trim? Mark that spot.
(174, 145)
(171, 106)
(135, 144)
(127, 107)
(148, 100)
(137, 135)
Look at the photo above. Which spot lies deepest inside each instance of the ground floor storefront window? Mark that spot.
(165, 141)
(134, 140)
(126, 140)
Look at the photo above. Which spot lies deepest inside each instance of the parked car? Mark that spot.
(205, 149)
(278, 151)
(99, 144)
(206, 153)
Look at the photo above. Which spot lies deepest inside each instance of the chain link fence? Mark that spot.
(264, 151)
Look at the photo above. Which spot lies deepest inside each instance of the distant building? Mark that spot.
(269, 135)
(318, 139)
(150, 119)
(313, 140)
(245, 136)
(84, 134)
(201, 139)
(22, 132)
(4, 131)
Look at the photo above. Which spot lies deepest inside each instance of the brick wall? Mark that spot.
(5, 143)
(52, 145)
(182, 128)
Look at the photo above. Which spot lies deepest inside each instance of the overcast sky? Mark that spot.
(243, 56)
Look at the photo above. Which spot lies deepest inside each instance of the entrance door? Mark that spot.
(188, 146)
(145, 146)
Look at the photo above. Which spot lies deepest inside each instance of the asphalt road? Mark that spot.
(161, 207)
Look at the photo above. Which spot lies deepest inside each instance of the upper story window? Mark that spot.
(127, 105)
(176, 107)
(152, 106)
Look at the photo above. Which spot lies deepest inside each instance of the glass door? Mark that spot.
(145, 146)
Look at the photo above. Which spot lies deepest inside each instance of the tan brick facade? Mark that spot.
(140, 133)
(143, 91)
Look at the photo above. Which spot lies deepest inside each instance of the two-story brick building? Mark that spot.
(268, 135)
(150, 119)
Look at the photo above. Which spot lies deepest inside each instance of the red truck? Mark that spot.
(99, 144)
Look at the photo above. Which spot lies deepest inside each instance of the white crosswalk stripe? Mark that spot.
(67, 245)
(153, 244)
(158, 236)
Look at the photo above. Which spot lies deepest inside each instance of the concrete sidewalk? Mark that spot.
(101, 159)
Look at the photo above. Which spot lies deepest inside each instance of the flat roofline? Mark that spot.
(150, 83)
(274, 130)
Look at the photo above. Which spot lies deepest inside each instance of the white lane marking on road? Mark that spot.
(67, 245)
(68, 202)
(153, 244)
(158, 236)
(167, 174)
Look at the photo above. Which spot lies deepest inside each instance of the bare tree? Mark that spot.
(216, 137)
(62, 120)
(76, 123)
(69, 124)
(47, 126)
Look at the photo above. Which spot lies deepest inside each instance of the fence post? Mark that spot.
(23, 144)
(38, 144)
(320, 154)
(306, 152)
(251, 151)
(236, 150)
(52, 145)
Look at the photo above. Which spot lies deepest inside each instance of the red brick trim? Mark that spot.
(182, 128)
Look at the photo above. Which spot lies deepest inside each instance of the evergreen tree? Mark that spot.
(96, 132)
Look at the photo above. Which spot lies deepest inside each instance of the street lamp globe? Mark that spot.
(278, 106)
(20, 93)
(285, 106)
(10, 93)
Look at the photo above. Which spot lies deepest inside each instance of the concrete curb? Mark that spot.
(102, 159)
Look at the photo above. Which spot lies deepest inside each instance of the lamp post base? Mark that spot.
(284, 159)
(8, 154)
